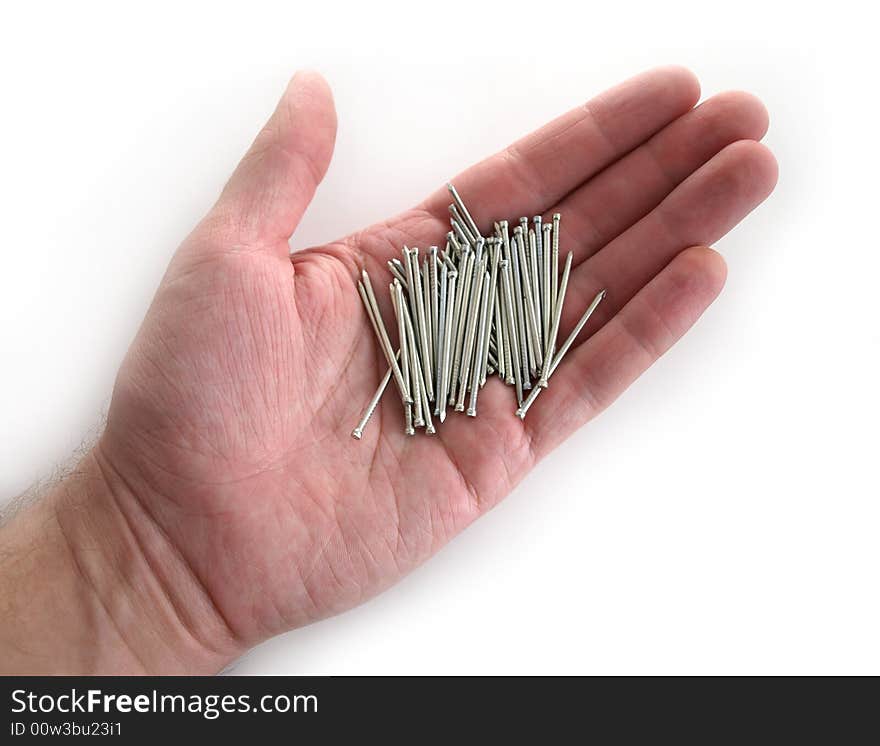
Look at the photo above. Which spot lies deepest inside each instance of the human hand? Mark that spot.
(248, 508)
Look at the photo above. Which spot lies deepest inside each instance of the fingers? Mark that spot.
(275, 181)
(608, 204)
(597, 372)
(541, 168)
(699, 211)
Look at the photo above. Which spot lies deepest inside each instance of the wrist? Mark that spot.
(90, 584)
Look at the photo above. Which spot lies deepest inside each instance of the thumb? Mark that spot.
(270, 189)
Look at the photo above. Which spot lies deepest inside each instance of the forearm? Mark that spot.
(89, 585)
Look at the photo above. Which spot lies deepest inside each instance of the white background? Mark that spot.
(722, 518)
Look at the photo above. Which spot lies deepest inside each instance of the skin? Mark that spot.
(226, 502)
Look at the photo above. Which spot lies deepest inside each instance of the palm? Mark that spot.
(233, 410)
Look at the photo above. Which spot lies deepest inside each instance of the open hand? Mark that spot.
(228, 434)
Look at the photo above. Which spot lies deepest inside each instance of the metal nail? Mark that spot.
(426, 407)
(421, 323)
(500, 337)
(536, 294)
(554, 291)
(524, 407)
(439, 336)
(461, 320)
(494, 257)
(456, 217)
(479, 245)
(434, 304)
(518, 326)
(505, 362)
(368, 297)
(547, 311)
(529, 303)
(429, 322)
(521, 272)
(414, 364)
(398, 302)
(577, 330)
(447, 343)
(557, 316)
(482, 343)
(452, 239)
(507, 292)
(463, 209)
(358, 431)
(470, 333)
(539, 254)
(398, 274)
(464, 237)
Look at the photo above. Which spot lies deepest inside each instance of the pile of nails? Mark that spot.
(484, 305)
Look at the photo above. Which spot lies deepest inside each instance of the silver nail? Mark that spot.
(517, 325)
(365, 289)
(494, 256)
(521, 301)
(440, 335)
(554, 293)
(524, 407)
(426, 407)
(456, 217)
(429, 322)
(505, 365)
(452, 239)
(479, 245)
(461, 316)
(464, 236)
(420, 323)
(536, 295)
(448, 263)
(539, 253)
(398, 274)
(464, 211)
(415, 365)
(447, 343)
(577, 330)
(534, 343)
(434, 305)
(482, 343)
(470, 334)
(547, 312)
(358, 431)
(507, 291)
(398, 302)
(500, 336)
(557, 316)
